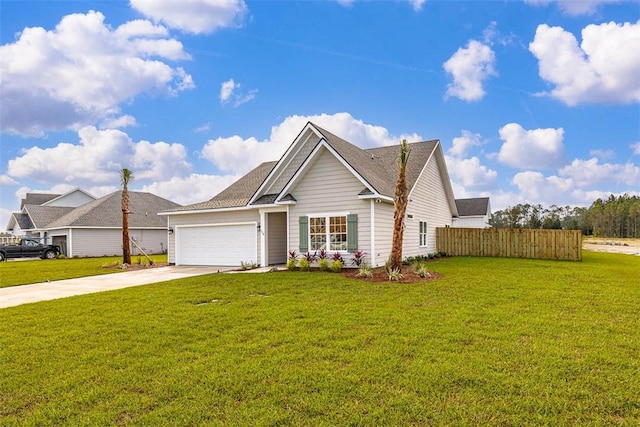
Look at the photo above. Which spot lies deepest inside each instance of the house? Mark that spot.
(473, 213)
(85, 226)
(324, 193)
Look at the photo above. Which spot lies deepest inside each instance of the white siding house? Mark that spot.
(84, 226)
(324, 193)
(473, 213)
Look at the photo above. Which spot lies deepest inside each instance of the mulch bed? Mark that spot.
(379, 275)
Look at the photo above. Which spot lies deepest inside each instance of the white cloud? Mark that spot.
(462, 144)
(7, 180)
(591, 173)
(98, 159)
(470, 67)
(201, 187)
(603, 154)
(239, 155)
(204, 128)
(417, 4)
(56, 79)
(574, 7)
(118, 122)
(226, 90)
(605, 68)
(230, 92)
(194, 16)
(636, 148)
(470, 174)
(531, 149)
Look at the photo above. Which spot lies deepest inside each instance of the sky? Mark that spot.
(534, 101)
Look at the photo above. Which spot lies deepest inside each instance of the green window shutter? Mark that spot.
(352, 232)
(303, 221)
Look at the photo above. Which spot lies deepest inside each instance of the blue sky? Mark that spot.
(534, 101)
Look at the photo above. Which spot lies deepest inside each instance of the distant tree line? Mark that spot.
(613, 217)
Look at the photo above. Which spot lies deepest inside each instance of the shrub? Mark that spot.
(337, 257)
(394, 273)
(364, 270)
(248, 265)
(323, 263)
(291, 262)
(322, 254)
(358, 258)
(310, 257)
(336, 266)
(304, 264)
(422, 270)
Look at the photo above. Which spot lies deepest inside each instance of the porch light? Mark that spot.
(258, 227)
(170, 230)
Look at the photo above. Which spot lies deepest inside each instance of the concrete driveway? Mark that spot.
(17, 295)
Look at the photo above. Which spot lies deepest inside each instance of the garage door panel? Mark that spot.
(224, 245)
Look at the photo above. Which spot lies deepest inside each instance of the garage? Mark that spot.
(223, 245)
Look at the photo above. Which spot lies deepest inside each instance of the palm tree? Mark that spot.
(125, 176)
(400, 201)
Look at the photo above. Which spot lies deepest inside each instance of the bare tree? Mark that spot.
(400, 201)
(125, 176)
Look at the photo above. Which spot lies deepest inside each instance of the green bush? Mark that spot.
(336, 266)
(323, 263)
(303, 264)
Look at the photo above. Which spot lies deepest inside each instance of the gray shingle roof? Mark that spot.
(237, 194)
(37, 199)
(23, 220)
(376, 165)
(106, 212)
(42, 216)
(472, 207)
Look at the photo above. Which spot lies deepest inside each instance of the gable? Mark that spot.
(72, 199)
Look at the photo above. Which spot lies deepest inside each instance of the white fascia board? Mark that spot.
(376, 197)
(209, 210)
(284, 161)
(298, 175)
(67, 193)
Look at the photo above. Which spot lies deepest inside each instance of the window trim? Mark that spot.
(422, 234)
(327, 216)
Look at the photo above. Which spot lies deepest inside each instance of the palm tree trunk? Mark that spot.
(400, 202)
(125, 175)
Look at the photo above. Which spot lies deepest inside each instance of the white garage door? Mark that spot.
(217, 245)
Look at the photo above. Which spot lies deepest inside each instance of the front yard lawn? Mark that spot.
(24, 272)
(493, 342)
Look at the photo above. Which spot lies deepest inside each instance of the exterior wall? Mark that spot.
(292, 167)
(427, 202)
(71, 200)
(90, 242)
(471, 222)
(329, 187)
(208, 218)
(383, 233)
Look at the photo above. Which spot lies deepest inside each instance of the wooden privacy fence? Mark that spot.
(511, 243)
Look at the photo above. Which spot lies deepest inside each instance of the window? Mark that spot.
(335, 235)
(331, 232)
(423, 233)
(318, 233)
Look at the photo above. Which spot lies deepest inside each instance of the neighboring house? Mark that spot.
(324, 193)
(94, 228)
(473, 213)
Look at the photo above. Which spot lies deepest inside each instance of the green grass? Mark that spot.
(13, 273)
(494, 342)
